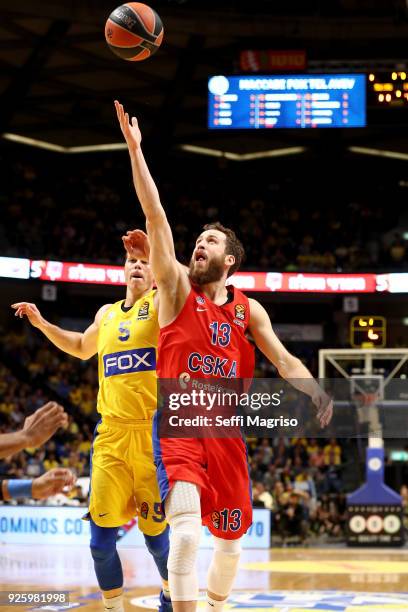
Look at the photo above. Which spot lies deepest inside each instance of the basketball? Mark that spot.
(134, 31)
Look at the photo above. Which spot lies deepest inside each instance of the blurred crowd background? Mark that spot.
(289, 217)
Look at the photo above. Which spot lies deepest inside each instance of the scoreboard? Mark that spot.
(292, 101)
(368, 331)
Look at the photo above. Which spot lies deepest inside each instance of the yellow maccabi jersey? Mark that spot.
(127, 355)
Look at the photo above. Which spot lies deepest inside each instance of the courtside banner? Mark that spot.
(279, 282)
(43, 525)
(47, 525)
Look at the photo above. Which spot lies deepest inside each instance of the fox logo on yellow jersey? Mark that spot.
(138, 360)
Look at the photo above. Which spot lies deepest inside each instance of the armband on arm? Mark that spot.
(18, 489)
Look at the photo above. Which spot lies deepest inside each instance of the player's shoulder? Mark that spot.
(102, 311)
(256, 310)
(253, 303)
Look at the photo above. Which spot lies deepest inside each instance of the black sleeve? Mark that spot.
(1, 490)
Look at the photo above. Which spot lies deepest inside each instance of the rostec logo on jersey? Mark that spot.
(127, 362)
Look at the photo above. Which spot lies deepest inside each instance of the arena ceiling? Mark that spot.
(58, 79)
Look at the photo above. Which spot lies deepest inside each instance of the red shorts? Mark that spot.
(219, 466)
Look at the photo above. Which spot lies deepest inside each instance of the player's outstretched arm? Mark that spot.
(288, 366)
(37, 429)
(82, 345)
(162, 256)
(52, 482)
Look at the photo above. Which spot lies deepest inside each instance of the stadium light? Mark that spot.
(379, 153)
(49, 146)
(242, 156)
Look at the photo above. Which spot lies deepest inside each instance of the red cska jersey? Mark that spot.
(206, 340)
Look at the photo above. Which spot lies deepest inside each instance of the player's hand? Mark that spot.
(137, 244)
(40, 426)
(130, 129)
(30, 311)
(52, 482)
(324, 405)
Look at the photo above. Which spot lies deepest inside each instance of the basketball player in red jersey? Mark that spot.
(202, 333)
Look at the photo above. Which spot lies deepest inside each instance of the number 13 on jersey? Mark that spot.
(221, 333)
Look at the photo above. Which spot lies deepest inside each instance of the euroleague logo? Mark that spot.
(240, 311)
(144, 510)
(300, 601)
(216, 519)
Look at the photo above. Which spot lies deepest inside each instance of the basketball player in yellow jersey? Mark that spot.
(123, 475)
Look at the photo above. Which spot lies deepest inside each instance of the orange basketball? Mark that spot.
(134, 31)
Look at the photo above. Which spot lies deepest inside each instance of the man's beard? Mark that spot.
(212, 274)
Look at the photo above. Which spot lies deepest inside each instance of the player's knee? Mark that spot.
(184, 516)
(102, 554)
(103, 543)
(103, 538)
(158, 547)
(232, 547)
(184, 498)
(184, 543)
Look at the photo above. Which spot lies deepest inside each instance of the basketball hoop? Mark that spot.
(365, 399)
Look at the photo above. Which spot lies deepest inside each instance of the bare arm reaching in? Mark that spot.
(82, 345)
(52, 482)
(170, 276)
(37, 429)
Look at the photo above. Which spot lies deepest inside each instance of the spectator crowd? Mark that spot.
(286, 221)
(300, 481)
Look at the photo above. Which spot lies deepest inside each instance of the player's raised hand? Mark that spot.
(130, 128)
(40, 426)
(324, 405)
(30, 311)
(136, 243)
(52, 482)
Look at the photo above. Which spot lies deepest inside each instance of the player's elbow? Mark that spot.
(155, 217)
(84, 351)
(288, 366)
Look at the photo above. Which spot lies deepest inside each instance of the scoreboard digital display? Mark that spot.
(287, 101)
(368, 331)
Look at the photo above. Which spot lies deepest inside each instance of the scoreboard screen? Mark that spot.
(291, 101)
